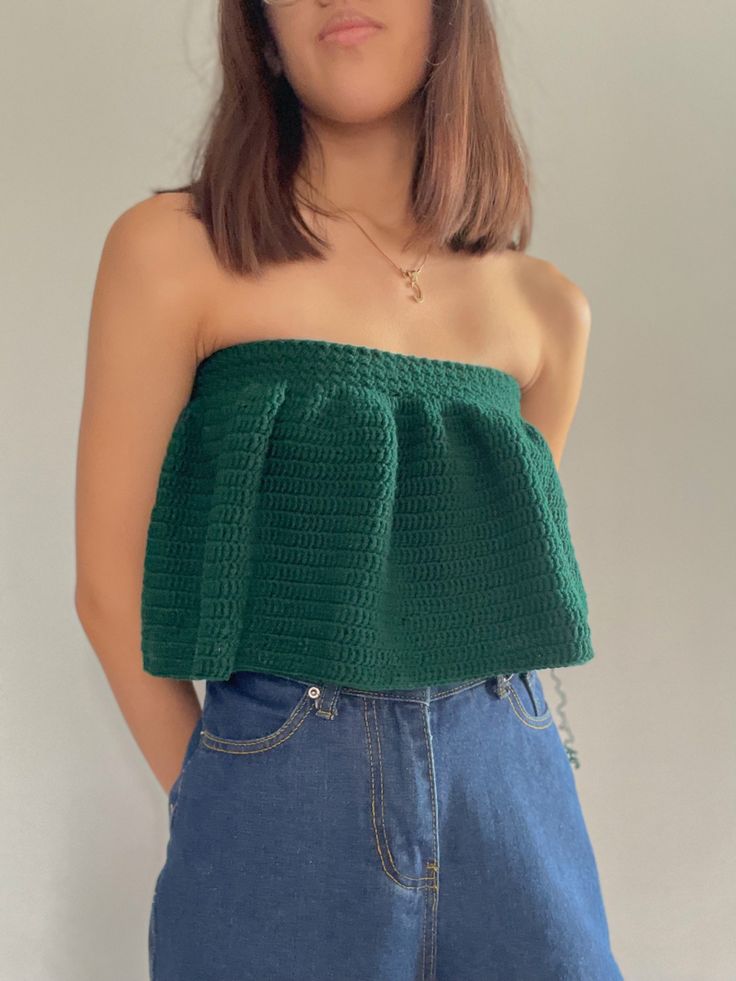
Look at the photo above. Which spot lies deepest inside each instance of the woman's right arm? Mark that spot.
(142, 351)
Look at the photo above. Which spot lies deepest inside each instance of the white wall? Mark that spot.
(628, 110)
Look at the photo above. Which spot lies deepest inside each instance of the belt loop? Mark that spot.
(503, 684)
(326, 700)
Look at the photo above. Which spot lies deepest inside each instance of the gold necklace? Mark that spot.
(409, 274)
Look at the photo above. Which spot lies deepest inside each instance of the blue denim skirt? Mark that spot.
(319, 831)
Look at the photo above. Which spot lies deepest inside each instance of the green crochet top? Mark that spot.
(339, 513)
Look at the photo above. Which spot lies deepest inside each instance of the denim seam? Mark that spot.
(463, 687)
(363, 693)
(531, 721)
(528, 680)
(152, 936)
(416, 878)
(173, 805)
(376, 831)
(433, 863)
(287, 730)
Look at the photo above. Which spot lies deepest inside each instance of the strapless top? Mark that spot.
(339, 513)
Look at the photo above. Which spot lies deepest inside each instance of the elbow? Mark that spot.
(86, 604)
(99, 606)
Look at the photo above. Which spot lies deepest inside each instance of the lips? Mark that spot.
(344, 21)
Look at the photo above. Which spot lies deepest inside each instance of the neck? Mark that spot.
(365, 169)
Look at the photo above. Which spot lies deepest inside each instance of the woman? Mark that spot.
(327, 393)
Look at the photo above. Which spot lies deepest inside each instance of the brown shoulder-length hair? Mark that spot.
(470, 185)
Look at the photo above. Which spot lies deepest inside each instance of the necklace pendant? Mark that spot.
(411, 275)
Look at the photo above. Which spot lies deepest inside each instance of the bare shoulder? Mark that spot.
(160, 229)
(155, 251)
(560, 306)
(559, 312)
(560, 315)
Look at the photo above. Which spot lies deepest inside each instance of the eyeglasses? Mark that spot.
(280, 3)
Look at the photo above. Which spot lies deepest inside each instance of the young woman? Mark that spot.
(327, 392)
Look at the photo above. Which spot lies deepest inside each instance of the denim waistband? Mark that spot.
(326, 695)
(422, 693)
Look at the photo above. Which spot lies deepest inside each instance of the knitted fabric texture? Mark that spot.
(339, 513)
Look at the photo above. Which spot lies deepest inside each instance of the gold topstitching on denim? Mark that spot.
(373, 809)
(418, 878)
(532, 721)
(210, 738)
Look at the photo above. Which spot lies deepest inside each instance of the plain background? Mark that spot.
(629, 114)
